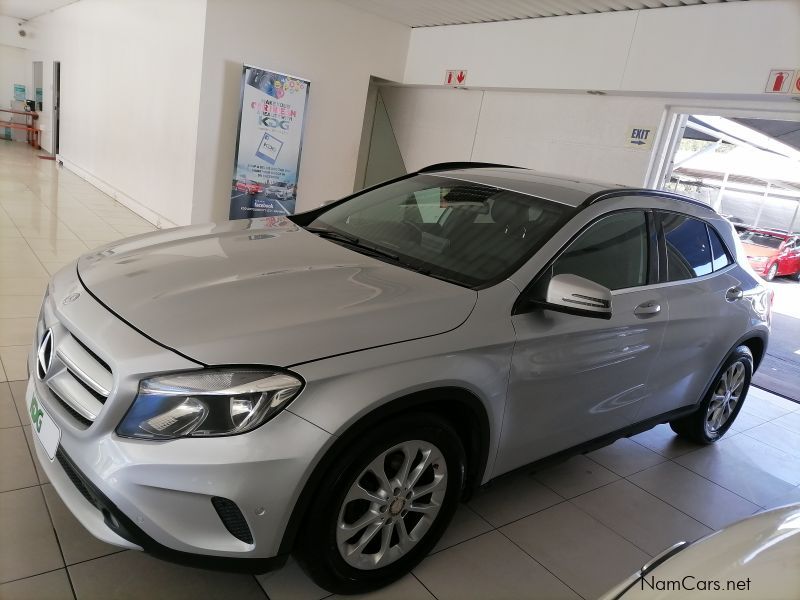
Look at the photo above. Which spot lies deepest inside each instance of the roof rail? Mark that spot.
(604, 195)
(451, 166)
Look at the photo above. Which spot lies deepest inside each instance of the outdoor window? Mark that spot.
(688, 252)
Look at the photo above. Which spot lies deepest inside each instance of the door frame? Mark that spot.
(674, 124)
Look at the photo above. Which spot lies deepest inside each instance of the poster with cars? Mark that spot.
(268, 144)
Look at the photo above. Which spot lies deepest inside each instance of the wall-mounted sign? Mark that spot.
(455, 77)
(19, 91)
(640, 137)
(795, 88)
(268, 144)
(779, 81)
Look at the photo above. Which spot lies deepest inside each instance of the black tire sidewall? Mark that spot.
(741, 354)
(318, 552)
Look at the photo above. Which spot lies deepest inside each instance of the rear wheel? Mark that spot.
(722, 403)
(385, 503)
(796, 276)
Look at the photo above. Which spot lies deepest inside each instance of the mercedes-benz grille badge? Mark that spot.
(44, 355)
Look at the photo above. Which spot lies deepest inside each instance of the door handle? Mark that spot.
(734, 294)
(646, 309)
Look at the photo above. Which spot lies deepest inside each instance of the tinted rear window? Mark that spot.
(688, 252)
(718, 252)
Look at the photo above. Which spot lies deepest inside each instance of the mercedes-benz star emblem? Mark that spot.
(44, 355)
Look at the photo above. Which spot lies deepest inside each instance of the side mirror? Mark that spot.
(579, 296)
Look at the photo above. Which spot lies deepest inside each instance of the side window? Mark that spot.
(719, 256)
(688, 252)
(612, 252)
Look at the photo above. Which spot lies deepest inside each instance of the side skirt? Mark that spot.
(598, 442)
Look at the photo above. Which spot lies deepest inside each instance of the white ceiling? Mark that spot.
(426, 13)
(27, 9)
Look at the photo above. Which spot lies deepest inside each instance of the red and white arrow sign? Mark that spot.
(455, 77)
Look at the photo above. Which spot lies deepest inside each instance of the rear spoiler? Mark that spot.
(452, 166)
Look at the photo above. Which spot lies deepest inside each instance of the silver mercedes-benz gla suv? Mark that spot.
(333, 383)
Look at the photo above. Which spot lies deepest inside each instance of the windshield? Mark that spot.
(761, 239)
(473, 235)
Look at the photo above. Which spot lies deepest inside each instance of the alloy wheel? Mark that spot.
(726, 397)
(391, 505)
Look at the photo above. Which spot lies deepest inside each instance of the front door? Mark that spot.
(575, 378)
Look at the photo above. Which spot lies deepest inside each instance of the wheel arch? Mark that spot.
(757, 343)
(459, 406)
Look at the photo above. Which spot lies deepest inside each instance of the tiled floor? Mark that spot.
(569, 531)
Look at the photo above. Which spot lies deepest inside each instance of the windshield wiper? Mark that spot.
(333, 235)
(352, 240)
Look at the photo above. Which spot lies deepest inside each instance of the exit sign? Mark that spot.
(640, 137)
(455, 77)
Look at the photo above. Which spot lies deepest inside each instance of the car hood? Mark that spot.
(763, 549)
(757, 250)
(264, 291)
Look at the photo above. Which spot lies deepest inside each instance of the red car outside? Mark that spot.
(248, 187)
(772, 253)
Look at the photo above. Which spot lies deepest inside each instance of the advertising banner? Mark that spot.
(268, 144)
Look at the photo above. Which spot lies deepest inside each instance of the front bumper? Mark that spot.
(157, 496)
(760, 267)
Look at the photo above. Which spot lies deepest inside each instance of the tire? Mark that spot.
(796, 276)
(719, 409)
(773, 270)
(334, 560)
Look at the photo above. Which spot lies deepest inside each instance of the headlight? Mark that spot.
(211, 402)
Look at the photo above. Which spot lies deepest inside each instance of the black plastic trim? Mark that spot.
(232, 518)
(634, 192)
(603, 440)
(124, 527)
(477, 449)
(459, 165)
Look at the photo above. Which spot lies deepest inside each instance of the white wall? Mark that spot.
(569, 134)
(334, 46)
(573, 134)
(14, 68)
(9, 36)
(130, 87)
(725, 48)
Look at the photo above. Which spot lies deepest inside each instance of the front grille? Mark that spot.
(75, 415)
(76, 479)
(232, 518)
(77, 377)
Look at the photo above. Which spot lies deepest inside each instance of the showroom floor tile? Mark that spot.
(568, 531)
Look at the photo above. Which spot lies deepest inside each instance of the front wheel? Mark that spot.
(722, 403)
(773, 270)
(383, 505)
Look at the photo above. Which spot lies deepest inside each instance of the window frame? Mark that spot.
(709, 229)
(662, 248)
(525, 303)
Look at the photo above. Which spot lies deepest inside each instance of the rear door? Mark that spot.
(575, 378)
(707, 312)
